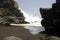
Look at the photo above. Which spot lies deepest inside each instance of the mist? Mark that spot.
(33, 20)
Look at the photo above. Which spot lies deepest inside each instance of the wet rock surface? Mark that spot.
(9, 13)
(51, 19)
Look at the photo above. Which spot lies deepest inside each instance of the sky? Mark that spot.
(30, 9)
(32, 6)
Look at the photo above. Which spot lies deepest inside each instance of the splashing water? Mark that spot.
(33, 20)
(30, 18)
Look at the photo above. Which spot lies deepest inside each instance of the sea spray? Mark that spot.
(35, 30)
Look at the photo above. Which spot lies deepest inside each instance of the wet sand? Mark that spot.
(20, 32)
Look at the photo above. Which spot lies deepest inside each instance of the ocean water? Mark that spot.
(32, 28)
(35, 29)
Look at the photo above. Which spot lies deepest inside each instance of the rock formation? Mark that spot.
(10, 13)
(51, 19)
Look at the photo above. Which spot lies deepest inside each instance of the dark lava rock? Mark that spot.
(51, 19)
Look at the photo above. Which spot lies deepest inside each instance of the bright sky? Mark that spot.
(30, 9)
(32, 6)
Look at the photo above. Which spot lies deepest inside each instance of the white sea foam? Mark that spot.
(33, 20)
(35, 30)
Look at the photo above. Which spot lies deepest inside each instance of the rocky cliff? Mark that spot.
(51, 19)
(9, 12)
